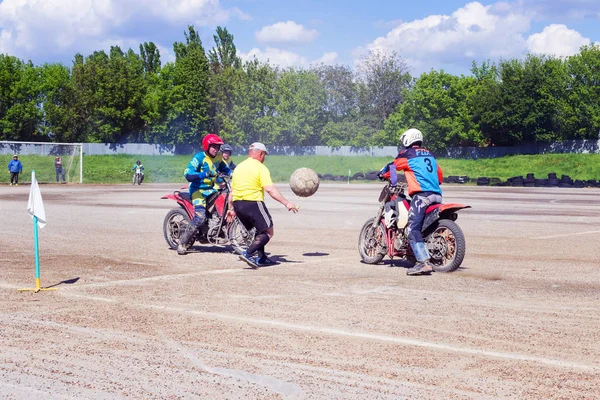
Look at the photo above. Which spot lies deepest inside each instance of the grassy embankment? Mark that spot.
(117, 169)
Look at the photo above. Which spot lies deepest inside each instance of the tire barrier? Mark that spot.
(371, 175)
(565, 181)
(359, 176)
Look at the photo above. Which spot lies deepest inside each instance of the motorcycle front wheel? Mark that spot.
(371, 242)
(446, 245)
(175, 223)
(239, 237)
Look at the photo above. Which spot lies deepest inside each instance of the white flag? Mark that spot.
(35, 205)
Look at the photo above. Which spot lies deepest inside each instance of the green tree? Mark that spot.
(188, 114)
(383, 80)
(57, 103)
(150, 55)
(518, 101)
(341, 102)
(300, 114)
(253, 113)
(20, 112)
(580, 104)
(438, 106)
(120, 88)
(224, 54)
(84, 83)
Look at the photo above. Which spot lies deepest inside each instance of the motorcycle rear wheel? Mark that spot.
(175, 223)
(239, 237)
(371, 245)
(446, 245)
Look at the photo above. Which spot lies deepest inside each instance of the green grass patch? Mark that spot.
(118, 168)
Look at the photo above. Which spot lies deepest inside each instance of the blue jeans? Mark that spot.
(416, 215)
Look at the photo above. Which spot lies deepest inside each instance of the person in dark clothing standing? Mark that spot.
(59, 169)
(14, 168)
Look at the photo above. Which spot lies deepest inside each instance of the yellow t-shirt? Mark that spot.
(248, 180)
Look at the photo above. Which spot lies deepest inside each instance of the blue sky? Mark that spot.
(433, 34)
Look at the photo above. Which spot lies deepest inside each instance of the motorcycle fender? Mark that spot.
(402, 219)
(186, 205)
(430, 219)
(447, 211)
(220, 202)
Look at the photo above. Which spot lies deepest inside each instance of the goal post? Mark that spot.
(40, 156)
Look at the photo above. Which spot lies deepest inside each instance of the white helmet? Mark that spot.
(411, 136)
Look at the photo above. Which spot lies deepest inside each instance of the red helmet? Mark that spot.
(209, 139)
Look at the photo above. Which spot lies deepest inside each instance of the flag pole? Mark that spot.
(36, 250)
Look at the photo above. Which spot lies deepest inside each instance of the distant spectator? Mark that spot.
(59, 169)
(15, 168)
(226, 151)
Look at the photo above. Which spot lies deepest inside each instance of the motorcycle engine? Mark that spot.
(400, 241)
(213, 225)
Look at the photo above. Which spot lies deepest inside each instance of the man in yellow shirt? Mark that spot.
(251, 178)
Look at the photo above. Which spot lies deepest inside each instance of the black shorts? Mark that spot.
(253, 214)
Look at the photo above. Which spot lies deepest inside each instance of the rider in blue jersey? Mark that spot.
(201, 173)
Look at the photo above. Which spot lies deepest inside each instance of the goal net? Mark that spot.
(40, 156)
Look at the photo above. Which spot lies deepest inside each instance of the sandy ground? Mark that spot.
(132, 319)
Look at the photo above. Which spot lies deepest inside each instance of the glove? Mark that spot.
(209, 174)
(380, 176)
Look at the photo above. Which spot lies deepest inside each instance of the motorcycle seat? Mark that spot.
(185, 196)
(432, 207)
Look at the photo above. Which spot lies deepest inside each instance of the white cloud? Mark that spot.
(47, 27)
(472, 32)
(557, 40)
(284, 58)
(286, 32)
(327, 58)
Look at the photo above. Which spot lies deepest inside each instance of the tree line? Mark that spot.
(124, 96)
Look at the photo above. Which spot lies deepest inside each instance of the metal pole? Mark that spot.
(80, 162)
(37, 253)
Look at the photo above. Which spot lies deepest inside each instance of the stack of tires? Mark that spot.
(529, 180)
(359, 176)
(371, 175)
(552, 180)
(456, 179)
(483, 181)
(515, 181)
(565, 181)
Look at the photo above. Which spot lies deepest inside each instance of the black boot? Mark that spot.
(185, 240)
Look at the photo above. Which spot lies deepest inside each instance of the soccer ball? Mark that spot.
(304, 182)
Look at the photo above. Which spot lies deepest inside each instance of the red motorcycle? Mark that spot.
(215, 229)
(386, 234)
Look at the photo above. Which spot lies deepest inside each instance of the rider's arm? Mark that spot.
(223, 168)
(191, 172)
(400, 163)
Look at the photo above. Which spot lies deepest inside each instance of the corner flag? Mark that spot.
(35, 205)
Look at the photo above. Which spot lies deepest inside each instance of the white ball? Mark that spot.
(304, 182)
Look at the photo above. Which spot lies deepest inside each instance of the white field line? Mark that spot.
(126, 282)
(242, 269)
(359, 335)
(564, 235)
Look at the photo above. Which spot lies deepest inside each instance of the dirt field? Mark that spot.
(132, 319)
